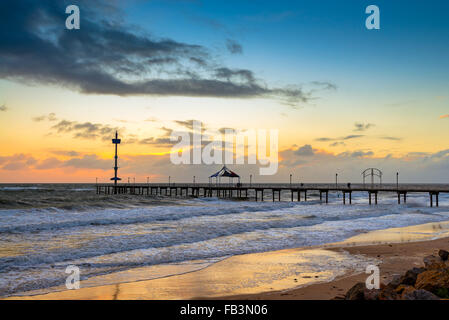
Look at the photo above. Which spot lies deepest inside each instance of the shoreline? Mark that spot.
(394, 250)
(395, 259)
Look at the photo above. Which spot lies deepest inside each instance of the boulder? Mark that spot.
(388, 293)
(372, 294)
(406, 291)
(357, 292)
(409, 278)
(435, 281)
(444, 255)
(403, 288)
(419, 295)
(433, 262)
(395, 281)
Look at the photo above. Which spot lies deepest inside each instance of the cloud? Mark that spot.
(444, 116)
(349, 137)
(353, 136)
(305, 150)
(160, 142)
(361, 154)
(234, 47)
(16, 162)
(188, 124)
(224, 129)
(338, 143)
(325, 85)
(111, 57)
(67, 153)
(49, 117)
(86, 130)
(90, 161)
(49, 164)
(324, 139)
(440, 154)
(391, 138)
(362, 127)
(3, 108)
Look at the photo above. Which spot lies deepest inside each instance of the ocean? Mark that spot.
(46, 227)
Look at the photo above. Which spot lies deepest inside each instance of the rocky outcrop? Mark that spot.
(444, 255)
(428, 283)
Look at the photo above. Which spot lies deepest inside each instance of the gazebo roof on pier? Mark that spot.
(225, 172)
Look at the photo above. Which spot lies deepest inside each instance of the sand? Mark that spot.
(274, 275)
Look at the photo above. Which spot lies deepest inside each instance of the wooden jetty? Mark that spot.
(259, 191)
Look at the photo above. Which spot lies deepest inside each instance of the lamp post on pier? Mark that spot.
(397, 180)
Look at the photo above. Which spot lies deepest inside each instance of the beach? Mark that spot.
(271, 275)
(130, 247)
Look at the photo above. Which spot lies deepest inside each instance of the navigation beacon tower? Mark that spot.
(116, 141)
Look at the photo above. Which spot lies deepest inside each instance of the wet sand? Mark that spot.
(282, 274)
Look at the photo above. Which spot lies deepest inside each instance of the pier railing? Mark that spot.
(259, 190)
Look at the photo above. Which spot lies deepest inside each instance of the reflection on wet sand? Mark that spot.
(244, 274)
(423, 232)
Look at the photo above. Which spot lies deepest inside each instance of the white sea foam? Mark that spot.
(37, 244)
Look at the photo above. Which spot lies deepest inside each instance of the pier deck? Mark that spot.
(296, 191)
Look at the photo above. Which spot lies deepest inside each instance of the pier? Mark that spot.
(242, 190)
(272, 191)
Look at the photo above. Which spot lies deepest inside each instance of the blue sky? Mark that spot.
(316, 38)
(308, 68)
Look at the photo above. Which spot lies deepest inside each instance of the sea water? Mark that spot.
(46, 227)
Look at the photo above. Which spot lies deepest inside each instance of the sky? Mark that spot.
(343, 98)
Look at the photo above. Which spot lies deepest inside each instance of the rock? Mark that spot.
(419, 295)
(357, 292)
(388, 293)
(372, 294)
(435, 281)
(444, 255)
(433, 262)
(407, 290)
(403, 287)
(410, 276)
(396, 281)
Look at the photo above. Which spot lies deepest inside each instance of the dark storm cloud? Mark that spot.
(107, 56)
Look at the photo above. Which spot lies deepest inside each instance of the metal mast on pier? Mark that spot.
(116, 141)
